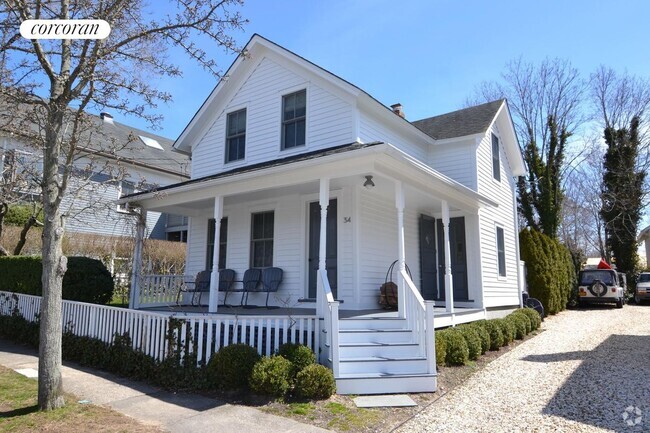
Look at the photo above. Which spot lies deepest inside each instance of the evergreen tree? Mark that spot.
(622, 194)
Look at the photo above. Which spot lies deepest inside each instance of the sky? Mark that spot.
(427, 55)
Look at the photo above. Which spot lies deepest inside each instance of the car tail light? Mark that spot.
(613, 289)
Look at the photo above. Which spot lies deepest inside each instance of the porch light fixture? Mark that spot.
(368, 183)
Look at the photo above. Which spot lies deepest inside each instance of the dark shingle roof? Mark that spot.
(267, 164)
(468, 121)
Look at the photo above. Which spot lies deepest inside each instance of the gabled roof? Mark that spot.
(460, 123)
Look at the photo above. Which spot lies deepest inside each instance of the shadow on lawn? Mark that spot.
(19, 412)
(611, 378)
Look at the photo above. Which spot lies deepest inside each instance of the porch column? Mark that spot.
(401, 248)
(449, 281)
(141, 223)
(214, 278)
(323, 201)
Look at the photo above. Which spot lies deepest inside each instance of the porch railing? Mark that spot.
(159, 290)
(329, 309)
(419, 317)
(201, 335)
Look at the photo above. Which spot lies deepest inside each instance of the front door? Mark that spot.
(458, 258)
(314, 245)
(428, 265)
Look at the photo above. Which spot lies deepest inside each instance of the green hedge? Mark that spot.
(550, 273)
(18, 215)
(86, 280)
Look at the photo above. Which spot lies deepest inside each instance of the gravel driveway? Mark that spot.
(579, 375)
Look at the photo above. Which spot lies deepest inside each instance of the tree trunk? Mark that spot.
(31, 222)
(50, 385)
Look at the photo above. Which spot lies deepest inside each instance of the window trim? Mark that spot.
(251, 258)
(284, 122)
(496, 157)
(505, 267)
(124, 208)
(238, 135)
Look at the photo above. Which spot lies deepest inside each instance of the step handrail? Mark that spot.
(328, 309)
(419, 317)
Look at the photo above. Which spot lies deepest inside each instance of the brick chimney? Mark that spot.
(397, 109)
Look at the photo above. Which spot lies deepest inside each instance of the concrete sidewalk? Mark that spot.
(174, 412)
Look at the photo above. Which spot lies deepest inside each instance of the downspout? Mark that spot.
(517, 253)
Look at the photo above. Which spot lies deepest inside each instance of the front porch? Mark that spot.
(443, 319)
(333, 223)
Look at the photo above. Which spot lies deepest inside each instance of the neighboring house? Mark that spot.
(283, 148)
(126, 160)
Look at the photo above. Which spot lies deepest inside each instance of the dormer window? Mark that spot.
(294, 115)
(496, 165)
(236, 136)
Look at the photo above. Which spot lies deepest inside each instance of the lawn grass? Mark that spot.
(19, 411)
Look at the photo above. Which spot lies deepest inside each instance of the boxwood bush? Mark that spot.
(299, 355)
(441, 348)
(482, 333)
(519, 325)
(271, 376)
(533, 315)
(315, 382)
(231, 367)
(525, 320)
(507, 329)
(496, 335)
(473, 341)
(86, 280)
(457, 352)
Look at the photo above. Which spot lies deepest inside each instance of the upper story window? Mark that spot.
(124, 188)
(294, 115)
(236, 136)
(496, 165)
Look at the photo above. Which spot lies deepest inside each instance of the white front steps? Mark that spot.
(380, 356)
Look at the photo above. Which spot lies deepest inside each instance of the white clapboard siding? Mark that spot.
(200, 334)
(457, 160)
(371, 129)
(498, 291)
(329, 119)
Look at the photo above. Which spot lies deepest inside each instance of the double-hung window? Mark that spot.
(501, 252)
(236, 136)
(124, 188)
(294, 115)
(262, 239)
(496, 165)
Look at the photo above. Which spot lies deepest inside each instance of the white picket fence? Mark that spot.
(148, 330)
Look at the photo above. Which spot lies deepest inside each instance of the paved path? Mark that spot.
(579, 375)
(174, 412)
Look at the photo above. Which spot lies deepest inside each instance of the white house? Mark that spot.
(304, 171)
(124, 159)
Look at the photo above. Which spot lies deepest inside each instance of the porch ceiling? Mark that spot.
(384, 161)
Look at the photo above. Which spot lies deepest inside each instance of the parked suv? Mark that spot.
(642, 292)
(601, 286)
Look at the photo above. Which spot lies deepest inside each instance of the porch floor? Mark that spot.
(441, 317)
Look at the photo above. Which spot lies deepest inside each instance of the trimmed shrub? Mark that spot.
(457, 350)
(271, 376)
(519, 325)
(315, 382)
(483, 334)
(525, 318)
(86, 280)
(299, 355)
(496, 335)
(441, 348)
(508, 330)
(473, 341)
(18, 215)
(230, 368)
(535, 318)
